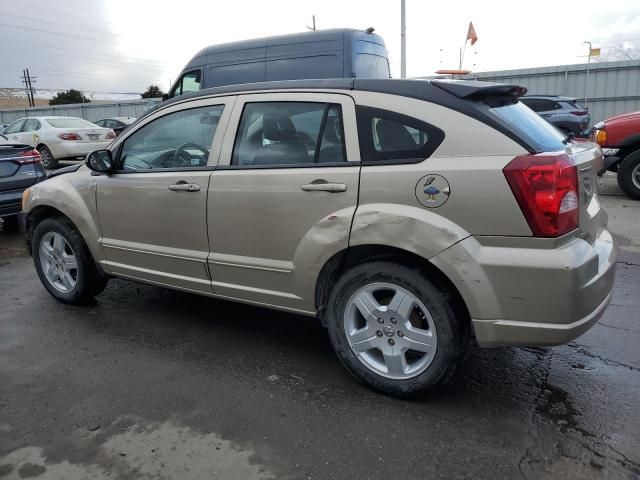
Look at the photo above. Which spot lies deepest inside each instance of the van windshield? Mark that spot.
(532, 128)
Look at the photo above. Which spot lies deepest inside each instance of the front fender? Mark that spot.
(74, 195)
(417, 230)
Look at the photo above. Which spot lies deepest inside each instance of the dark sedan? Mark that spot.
(117, 124)
(20, 168)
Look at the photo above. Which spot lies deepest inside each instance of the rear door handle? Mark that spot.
(184, 187)
(322, 186)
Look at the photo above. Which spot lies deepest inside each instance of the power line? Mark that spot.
(136, 59)
(58, 12)
(89, 61)
(42, 30)
(75, 27)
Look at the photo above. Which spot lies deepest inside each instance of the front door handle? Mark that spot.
(324, 186)
(184, 187)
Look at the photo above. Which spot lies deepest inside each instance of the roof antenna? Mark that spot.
(370, 30)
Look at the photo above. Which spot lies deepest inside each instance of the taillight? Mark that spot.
(30, 156)
(546, 188)
(580, 113)
(69, 136)
(110, 135)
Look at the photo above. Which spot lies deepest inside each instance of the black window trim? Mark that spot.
(118, 162)
(315, 163)
(370, 156)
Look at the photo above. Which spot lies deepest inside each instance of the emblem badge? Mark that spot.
(432, 190)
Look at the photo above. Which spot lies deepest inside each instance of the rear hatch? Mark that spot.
(16, 170)
(544, 141)
(555, 183)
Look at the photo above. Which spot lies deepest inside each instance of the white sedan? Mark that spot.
(58, 138)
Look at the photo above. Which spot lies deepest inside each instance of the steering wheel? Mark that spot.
(181, 151)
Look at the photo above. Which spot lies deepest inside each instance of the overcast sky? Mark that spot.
(125, 45)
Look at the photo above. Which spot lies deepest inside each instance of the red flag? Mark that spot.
(471, 34)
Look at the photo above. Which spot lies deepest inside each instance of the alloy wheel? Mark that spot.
(390, 331)
(58, 262)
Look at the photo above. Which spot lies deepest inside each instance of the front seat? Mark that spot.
(283, 146)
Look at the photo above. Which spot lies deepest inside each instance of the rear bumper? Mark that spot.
(532, 291)
(491, 333)
(10, 202)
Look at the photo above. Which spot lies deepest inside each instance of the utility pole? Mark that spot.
(403, 40)
(313, 27)
(26, 86)
(31, 80)
(586, 80)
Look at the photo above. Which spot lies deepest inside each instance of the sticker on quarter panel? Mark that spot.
(432, 190)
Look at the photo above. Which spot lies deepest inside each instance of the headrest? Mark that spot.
(278, 127)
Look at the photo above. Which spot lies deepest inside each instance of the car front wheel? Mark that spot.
(63, 262)
(629, 175)
(394, 329)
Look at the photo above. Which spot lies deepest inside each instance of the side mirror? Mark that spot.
(165, 97)
(100, 161)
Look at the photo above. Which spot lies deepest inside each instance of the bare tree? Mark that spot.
(616, 52)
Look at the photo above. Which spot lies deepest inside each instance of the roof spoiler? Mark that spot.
(474, 90)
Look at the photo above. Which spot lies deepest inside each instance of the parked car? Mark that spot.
(58, 138)
(565, 113)
(406, 214)
(332, 53)
(20, 168)
(619, 136)
(117, 124)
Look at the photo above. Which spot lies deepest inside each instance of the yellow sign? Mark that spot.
(595, 52)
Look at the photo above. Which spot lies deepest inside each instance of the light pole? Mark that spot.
(586, 81)
(403, 41)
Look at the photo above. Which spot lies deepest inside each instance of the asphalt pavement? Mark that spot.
(151, 383)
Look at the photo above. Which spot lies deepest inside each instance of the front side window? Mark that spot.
(190, 82)
(289, 133)
(15, 127)
(176, 141)
(391, 137)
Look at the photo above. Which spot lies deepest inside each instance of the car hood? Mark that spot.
(61, 171)
(633, 116)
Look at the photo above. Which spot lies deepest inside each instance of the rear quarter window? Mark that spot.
(527, 125)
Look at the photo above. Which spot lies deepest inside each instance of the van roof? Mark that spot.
(310, 36)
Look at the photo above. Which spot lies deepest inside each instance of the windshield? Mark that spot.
(69, 123)
(528, 125)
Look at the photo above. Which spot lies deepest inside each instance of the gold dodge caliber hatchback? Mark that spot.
(407, 215)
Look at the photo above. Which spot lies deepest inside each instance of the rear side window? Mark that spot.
(289, 133)
(388, 137)
(534, 130)
(31, 125)
(371, 66)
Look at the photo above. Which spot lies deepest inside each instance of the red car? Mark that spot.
(619, 138)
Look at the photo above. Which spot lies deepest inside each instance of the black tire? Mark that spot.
(89, 281)
(452, 332)
(47, 157)
(627, 169)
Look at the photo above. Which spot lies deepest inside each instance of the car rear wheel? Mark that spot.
(47, 157)
(394, 329)
(63, 262)
(629, 175)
